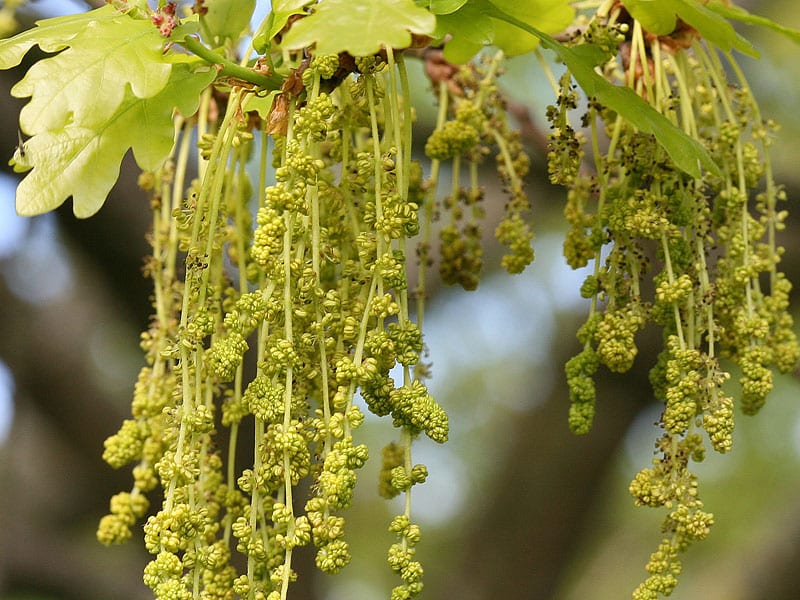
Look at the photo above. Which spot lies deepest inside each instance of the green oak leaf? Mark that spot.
(660, 17)
(282, 11)
(360, 27)
(549, 16)
(83, 162)
(226, 19)
(737, 13)
(282, 6)
(687, 153)
(86, 82)
(445, 7)
(51, 35)
(656, 16)
(259, 103)
(470, 30)
(713, 27)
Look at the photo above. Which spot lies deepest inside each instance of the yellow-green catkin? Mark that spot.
(696, 256)
(472, 125)
(272, 323)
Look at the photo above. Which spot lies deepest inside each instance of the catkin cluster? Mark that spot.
(472, 124)
(697, 257)
(272, 326)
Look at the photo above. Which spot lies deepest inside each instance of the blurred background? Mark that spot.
(515, 507)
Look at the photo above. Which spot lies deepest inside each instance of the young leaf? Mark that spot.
(713, 27)
(546, 15)
(470, 29)
(259, 103)
(86, 82)
(660, 17)
(737, 13)
(226, 19)
(445, 7)
(51, 35)
(687, 153)
(282, 11)
(360, 27)
(83, 162)
(655, 16)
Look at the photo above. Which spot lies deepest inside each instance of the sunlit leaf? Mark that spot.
(226, 19)
(546, 15)
(445, 7)
(51, 35)
(83, 162)
(655, 16)
(737, 13)
(260, 104)
(289, 5)
(282, 11)
(470, 29)
(86, 82)
(112, 87)
(360, 27)
(713, 27)
(660, 17)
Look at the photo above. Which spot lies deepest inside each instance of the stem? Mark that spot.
(455, 181)
(398, 128)
(288, 332)
(671, 278)
(429, 205)
(688, 122)
(547, 71)
(228, 68)
(181, 166)
(771, 191)
(406, 142)
(489, 77)
(378, 171)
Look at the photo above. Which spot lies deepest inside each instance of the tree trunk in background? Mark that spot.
(533, 520)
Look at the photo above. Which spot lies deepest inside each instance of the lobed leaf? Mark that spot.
(713, 27)
(656, 16)
(226, 19)
(445, 7)
(83, 162)
(282, 11)
(660, 17)
(360, 27)
(51, 35)
(111, 88)
(737, 13)
(470, 29)
(86, 82)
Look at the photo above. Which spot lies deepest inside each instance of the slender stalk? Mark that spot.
(228, 68)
